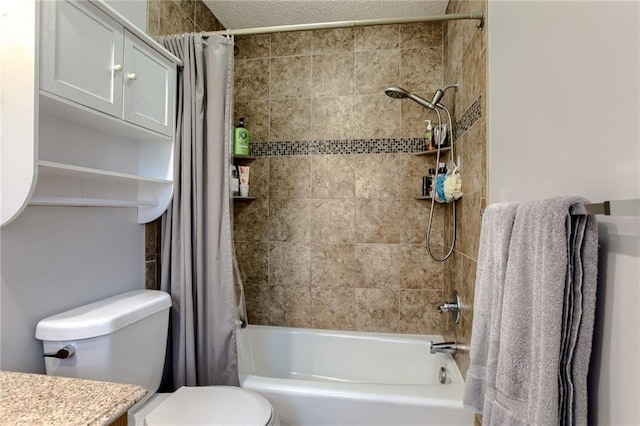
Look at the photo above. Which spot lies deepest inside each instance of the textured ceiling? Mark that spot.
(235, 14)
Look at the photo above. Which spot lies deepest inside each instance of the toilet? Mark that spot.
(123, 339)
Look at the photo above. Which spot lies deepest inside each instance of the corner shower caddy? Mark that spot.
(99, 119)
(430, 152)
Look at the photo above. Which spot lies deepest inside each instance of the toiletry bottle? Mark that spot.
(432, 175)
(428, 136)
(235, 182)
(241, 139)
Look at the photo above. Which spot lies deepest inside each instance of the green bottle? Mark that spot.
(241, 139)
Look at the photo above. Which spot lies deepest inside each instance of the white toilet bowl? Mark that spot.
(120, 339)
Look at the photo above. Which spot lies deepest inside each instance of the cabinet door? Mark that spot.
(81, 53)
(149, 87)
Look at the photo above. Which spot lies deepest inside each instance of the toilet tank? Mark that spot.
(120, 339)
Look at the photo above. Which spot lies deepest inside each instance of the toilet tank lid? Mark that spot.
(102, 317)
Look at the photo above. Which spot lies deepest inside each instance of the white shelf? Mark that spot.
(89, 202)
(72, 170)
(58, 107)
(433, 151)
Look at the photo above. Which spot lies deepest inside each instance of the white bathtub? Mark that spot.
(319, 377)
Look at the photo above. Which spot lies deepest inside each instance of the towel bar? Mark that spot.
(607, 208)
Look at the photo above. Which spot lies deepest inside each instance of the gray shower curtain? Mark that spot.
(197, 263)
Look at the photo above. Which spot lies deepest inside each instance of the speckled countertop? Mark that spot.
(37, 399)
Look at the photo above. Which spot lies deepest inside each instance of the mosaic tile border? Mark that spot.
(359, 146)
(468, 119)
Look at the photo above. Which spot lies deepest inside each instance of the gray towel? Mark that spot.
(547, 317)
(497, 224)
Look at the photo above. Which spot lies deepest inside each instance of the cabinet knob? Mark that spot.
(117, 67)
(132, 76)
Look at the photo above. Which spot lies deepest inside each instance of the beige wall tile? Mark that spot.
(332, 265)
(377, 309)
(333, 117)
(376, 70)
(332, 176)
(253, 46)
(463, 338)
(290, 220)
(419, 312)
(473, 74)
(421, 69)
(290, 77)
(251, 79)
(418, 270)
(256, 114)
(257, 303)
(466, 288)
(377, 220)
(334, 74)
(377, 266)
(250, 220)
(333, 40)
(377, 176)
(290, 120)
(414, 219)
(474, 157)
(289, 44)
(150, 274)
(153, 17)
(377, 37)
(290, 264)
(173, 20)
(332, 308)
(289, 306)
(253, 262)
(420, 35)
(290, 177)
(204, 19)
(332, 221)
(377, 116)
(470, 223)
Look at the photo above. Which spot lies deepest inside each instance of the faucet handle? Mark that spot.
(452, 306)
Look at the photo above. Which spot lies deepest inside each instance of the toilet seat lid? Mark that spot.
(211, 405)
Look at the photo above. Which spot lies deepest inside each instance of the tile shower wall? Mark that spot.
(465, 62)
(171, 17)
(337, 241)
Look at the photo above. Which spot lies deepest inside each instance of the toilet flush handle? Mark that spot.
(66, 352)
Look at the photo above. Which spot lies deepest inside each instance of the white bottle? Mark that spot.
(428, 136)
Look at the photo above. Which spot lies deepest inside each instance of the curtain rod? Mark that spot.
(346, 24)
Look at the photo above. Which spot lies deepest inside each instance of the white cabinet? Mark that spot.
(82, 55)
(89, 58)
(103, 114)
(148, 87)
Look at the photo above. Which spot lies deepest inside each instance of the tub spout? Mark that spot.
(444, 348)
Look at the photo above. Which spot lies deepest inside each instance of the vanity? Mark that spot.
(30, 399)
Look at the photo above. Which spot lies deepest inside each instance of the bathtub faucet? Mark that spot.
(444, 348)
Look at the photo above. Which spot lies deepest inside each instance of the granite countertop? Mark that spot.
(37, 399)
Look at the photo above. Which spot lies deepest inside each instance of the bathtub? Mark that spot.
(319, 377)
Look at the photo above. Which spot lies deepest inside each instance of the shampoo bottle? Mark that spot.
(241, 139)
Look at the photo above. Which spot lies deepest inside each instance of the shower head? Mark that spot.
(399, 93)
